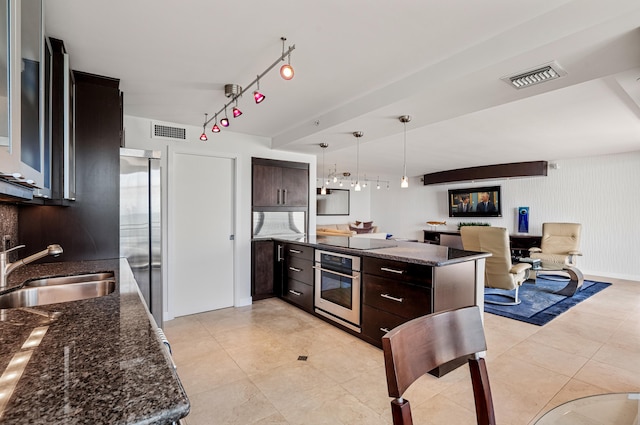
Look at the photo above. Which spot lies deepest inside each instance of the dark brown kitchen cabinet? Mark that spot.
(263, 269)
(298, 275)
(393, 293)
(280, 183)
(87, 229)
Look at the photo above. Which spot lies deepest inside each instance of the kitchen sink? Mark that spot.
(66, 280)
(61, 289)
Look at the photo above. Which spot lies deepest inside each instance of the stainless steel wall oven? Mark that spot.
(337, 288)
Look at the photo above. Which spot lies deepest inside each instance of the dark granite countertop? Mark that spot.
(99, 360)
(409, 252)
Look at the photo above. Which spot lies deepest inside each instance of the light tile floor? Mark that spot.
(240, 366)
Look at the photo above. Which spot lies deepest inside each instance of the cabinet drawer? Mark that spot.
(397, 270)
(298, 251)
(402, 299)
(300, 270)
(299, 293)
(376, 323)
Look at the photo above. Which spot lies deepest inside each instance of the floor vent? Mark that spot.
(541, 74)
(303, 358)
(168, 132)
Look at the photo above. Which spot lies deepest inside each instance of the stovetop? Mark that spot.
(356, 243)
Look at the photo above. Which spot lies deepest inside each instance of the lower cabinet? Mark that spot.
(263, 273)
(299, 293)
(297, 286)
(376, 323)
(393, 293)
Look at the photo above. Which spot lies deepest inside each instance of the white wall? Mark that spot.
(226, 144)
(599, 192)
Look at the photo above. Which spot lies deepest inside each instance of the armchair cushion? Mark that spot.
(560, 243)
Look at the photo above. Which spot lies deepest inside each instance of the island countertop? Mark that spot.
(408, 252)
(98, 360)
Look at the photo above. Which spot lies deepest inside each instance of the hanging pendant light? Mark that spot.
(323, 189)
(257, 96)
(286, 71)
(215, 127)
(358, 135)
(404, 119)
(236, 112)
(203, 136)
(225, 121)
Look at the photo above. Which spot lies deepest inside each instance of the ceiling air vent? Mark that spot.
(168, 132)
(541, 74)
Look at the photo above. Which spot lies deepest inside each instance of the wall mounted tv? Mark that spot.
(475, 202)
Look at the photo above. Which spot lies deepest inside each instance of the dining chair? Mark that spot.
(422, 344)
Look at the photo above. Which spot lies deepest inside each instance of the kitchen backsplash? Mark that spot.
(9, 224)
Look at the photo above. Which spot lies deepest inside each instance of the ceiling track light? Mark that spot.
(257, 96)
(234, 91)
(404, 119)
(286, 71)
(235, 111)
(215, 127)
(203, 136)
(323, 189)
(224, 121)
(358, 135)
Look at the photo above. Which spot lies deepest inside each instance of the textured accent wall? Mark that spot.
(9, 223)
(598, 192)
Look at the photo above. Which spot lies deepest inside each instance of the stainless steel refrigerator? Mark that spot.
(140, 223)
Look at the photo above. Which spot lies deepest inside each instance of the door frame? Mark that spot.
(171, 154)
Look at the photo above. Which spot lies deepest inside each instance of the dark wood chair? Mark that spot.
(422, 344)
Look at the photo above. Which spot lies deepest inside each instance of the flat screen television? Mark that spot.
(475, 202)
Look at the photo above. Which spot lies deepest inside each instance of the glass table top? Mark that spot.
(602, 409)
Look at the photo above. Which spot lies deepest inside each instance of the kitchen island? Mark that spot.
(386, 283)
(98, 360)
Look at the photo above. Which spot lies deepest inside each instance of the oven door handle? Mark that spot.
(337, 273)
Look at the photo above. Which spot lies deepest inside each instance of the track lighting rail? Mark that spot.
(244, 89)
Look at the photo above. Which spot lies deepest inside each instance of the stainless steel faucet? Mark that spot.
(6, 267)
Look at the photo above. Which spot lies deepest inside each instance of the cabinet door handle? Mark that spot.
(278, 197)
(295, 251)
(284, 196)
(279, 252)
(355, 275)
(385, 330)
(387, 269)
(294, 269)
(296, 293)
(389, 297)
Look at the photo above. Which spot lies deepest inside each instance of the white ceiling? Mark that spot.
(360, 64)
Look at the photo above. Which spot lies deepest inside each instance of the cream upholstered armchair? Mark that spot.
(560, 244)
(499, 272)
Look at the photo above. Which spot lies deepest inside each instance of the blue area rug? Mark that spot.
(539, 303)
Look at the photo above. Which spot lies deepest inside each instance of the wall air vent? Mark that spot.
(541, 74)
(160, 131)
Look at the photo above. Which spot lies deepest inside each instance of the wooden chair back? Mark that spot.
(420, 345)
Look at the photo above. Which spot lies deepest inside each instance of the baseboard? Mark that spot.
(242, 302)
(594, 275)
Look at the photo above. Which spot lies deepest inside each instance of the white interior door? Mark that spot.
(203, 222)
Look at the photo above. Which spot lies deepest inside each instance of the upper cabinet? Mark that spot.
(25, 108)
(280, 184)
